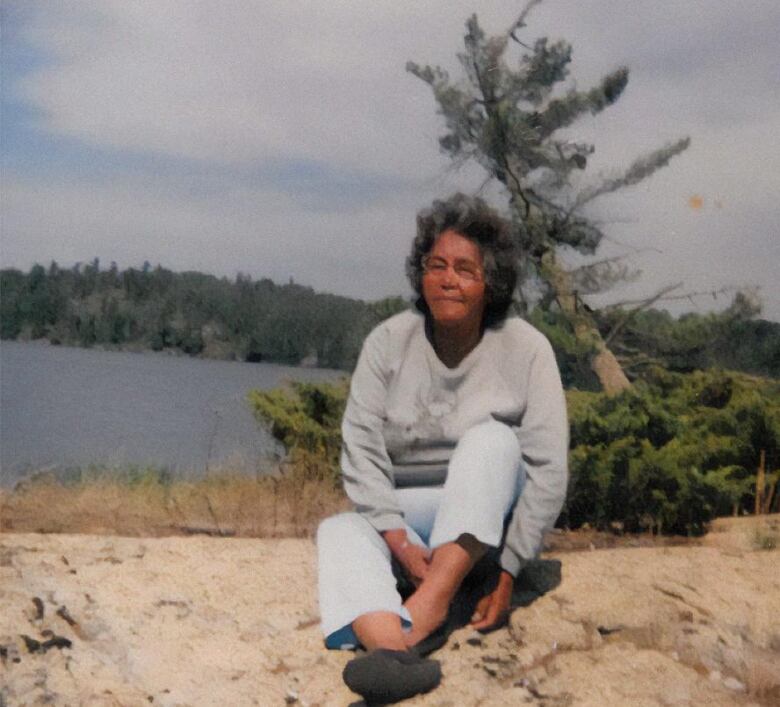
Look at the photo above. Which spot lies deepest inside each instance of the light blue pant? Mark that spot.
(484, 480)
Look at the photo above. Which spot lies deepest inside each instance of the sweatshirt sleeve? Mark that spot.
(544, 443)
(365, 464)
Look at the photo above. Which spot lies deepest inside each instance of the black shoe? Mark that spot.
(385, 676)
(433, 642)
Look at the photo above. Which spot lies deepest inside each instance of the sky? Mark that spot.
(286, 140)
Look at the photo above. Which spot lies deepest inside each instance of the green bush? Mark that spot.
(667, 455)
(672, 452)
(306, 418)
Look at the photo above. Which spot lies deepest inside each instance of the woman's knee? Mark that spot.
(334, 529)
(492, 440)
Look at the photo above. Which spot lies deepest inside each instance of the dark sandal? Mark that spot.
(384, 676)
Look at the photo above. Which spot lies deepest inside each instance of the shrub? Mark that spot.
(306, 418)
(671, 453)
(667, 455)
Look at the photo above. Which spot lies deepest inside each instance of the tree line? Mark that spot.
(643, 341)
(258, 320)
(188, 312)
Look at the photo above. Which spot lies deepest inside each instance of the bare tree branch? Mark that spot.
(519, 23)
(642, 305)
(605, 261)
(686, 295)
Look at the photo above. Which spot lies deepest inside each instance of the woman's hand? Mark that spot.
(414, 559)
(492, 610)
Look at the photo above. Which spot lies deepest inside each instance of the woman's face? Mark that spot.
(453, 283)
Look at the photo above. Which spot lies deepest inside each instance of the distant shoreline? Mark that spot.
(167, 352)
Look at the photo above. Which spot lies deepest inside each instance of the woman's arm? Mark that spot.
(544, 443)
(493, 609)
(365, 463)
(414, 558)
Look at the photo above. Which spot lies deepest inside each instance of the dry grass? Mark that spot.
(149, 504)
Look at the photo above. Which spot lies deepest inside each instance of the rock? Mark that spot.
(543, 626)
(196, 612)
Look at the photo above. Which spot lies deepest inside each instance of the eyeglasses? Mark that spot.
(464, 269)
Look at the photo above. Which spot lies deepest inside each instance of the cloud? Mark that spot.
(235, 82)
(149, 130)
(239, 227)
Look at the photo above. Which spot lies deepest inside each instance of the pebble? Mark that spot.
(734, 684)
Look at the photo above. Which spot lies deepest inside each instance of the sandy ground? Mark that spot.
(229, 621)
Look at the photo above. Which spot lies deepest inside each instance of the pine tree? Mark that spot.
(508, 121)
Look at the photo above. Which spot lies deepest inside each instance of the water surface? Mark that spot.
(64, 407)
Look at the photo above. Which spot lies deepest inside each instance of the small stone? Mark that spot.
(291, 697)
(31, 644)
(64, 614)
(56, 642)
(734, 684)
(607, 630)
(38, 608)
(9, 651)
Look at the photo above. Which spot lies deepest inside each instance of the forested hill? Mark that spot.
(643, 340)
(195, 313)
(248, 320)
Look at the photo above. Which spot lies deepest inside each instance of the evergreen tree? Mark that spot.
(508, 120)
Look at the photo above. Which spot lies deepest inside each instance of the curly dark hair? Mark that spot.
(471, 217)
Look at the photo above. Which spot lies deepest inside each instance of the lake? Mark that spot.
(66, 407)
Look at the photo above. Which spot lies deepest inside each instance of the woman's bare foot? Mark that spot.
(428, 607)
(380, 629)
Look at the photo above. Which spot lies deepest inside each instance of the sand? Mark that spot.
(234, 621)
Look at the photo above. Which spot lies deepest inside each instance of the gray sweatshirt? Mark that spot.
(406, 411)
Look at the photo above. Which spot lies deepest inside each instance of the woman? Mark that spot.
(454, 444)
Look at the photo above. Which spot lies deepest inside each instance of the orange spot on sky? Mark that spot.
(696, 202)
